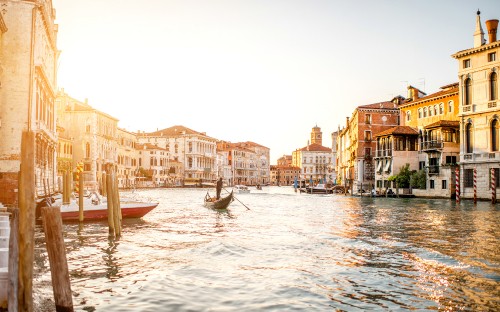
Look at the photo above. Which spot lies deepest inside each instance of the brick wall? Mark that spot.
(8, 188)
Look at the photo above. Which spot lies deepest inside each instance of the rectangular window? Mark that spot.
(468, 177)
(368, 135)
(444, 184)
(492, 57)
(467, 63)
(431, 184)
(421, 165)
(451, 159)
(368, 119)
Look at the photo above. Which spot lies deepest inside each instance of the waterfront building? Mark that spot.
(284, 174)
(224, 169)
(28, 78)
(435, 116)
(356, 145)
(285, 160)
(127, 163)
(154, 167)
(395, 148)
(64, 153)
(242, 162)
(333, 173)
(194, 150)
(314, 160)
(479, 112)
(94, 136)
(262, 162)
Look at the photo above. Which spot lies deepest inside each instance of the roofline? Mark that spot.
(485, 47)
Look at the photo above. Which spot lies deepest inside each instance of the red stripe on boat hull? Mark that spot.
(102, 214)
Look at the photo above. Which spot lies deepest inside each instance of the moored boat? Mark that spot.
(95, 208)
(221, 203)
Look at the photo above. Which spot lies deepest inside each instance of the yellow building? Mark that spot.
(479, 112)
(435, 117)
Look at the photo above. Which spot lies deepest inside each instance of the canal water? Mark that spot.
(287, 252)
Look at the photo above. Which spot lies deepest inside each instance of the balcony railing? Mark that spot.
(384, 153)
(431, 145)
(433, 169)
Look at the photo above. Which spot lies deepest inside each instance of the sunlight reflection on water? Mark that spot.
(290, 251)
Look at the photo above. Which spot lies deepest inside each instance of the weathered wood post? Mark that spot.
(52, 226)
(65, 188)
(109, 190)
(352, 187)
(103, 184)
(26, 221)
(70, 184)
(13, 261)
(116, 205)
(80, 196)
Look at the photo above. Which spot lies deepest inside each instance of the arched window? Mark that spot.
(450, 107)
(430, 111)
(468, 138)
(495, 135)
(435, 110)
(425, 112)
(87, 150)
(419, 113)
(441, 108)
(408, 116)
(468, 91)
(493, 87)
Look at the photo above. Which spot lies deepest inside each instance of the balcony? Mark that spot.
(384, 153)
(433, 170)
(432, 145)
(481, 157)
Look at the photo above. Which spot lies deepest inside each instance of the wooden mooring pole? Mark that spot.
(116, 206)
(80, 196)
(52, 226)
(26, 221)
(109, 192)
(13, 261)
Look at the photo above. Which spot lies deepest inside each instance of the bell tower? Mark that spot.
(316, 136)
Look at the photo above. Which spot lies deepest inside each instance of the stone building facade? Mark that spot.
(194, 150)
(356, 141)
(479, 112)
(314, 160)
(28, 78)
(435, 116)
(127, 163)
(94, 135)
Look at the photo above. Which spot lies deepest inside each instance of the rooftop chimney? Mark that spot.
(492, 25)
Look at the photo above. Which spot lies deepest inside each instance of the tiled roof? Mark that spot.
(174, 131)
(148, 146)
(381, 105)
(398, 130)
(316, 148)
(445, 90)
(444, 123)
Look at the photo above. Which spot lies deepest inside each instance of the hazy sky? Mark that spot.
(265, 71)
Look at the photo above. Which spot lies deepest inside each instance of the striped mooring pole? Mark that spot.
(493, 187)
(457, 184)
(475, 185)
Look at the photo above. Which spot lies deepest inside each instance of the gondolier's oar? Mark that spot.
(237, 199)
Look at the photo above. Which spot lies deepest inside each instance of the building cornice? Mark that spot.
(436, 98)
(482, 48)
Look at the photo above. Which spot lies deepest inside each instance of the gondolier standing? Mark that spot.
(218, 188)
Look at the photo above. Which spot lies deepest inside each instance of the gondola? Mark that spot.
(221, 203)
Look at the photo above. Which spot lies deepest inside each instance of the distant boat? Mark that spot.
(221, 203)
(318, 189)
(241, 189)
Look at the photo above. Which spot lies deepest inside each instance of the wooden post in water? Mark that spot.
(80, 196)
(52, 226)
(26, 221)
(70, 185)
(13, 261)
(109, 191)
(103, 184)
(352, 187)
(116, 205)
(493, 186)
(64, 187)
